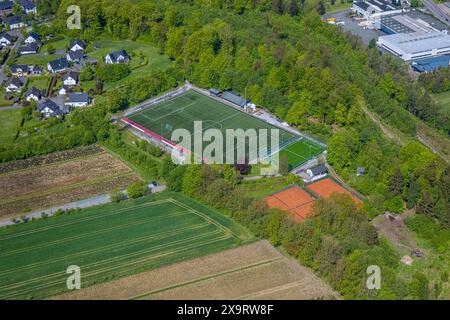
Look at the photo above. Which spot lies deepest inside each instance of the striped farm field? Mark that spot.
(108, 242)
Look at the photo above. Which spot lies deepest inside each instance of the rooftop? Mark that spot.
(416, 42)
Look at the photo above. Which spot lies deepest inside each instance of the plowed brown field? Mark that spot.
(45, 185)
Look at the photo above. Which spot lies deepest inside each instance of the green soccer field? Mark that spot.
(108, 242)
(300, 152)
(183, 110)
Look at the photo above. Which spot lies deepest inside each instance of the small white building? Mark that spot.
(77, 45)
(32, 94)
(316, 173)
(50, 109)
(120, 56)
(13, 85)
(32, 38)
(70, 79)
(78, 99)
(6, 39)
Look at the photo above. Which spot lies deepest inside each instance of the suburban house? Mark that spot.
(6, 7)
(70, 79)
(28, 6)
(75, 56)
(20, 70)
(120, 56)
(48, 108)
(64, 90)
(58, 65)
(318, 172)
(77, 45)
(32, 94)
(78, 99)
(14, 22)
(31, 48)
(32, 38)
(13, 85)
(36, 71)
(6, 39)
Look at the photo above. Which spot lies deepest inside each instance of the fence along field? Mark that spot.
(181, 111)
(108, 242)
(59, 178)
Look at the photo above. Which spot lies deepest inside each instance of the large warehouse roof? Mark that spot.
(411, 43)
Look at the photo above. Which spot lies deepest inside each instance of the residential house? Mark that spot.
(6, 39)
(36, 71)
(32, 94)
(75, 56)
(31, 48)
(77, 45)
(120, 56)
(78, 99)
(64, 90)
(20, 70)
(48, 108)
(6, 7)
(32, 38)
(58, 65)
(70, 79)
(13, 85)
(14, 22)
(318, 172)
(28, 6)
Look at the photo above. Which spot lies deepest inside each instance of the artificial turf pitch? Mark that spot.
(181, 112)
(108, 242)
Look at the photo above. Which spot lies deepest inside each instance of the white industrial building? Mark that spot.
(410, 46)
(374, 9)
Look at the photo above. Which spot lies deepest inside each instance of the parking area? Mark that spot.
(354, 27)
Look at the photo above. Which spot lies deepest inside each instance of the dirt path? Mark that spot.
(386, 130)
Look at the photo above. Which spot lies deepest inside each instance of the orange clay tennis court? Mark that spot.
(294, 200)
(326, 187)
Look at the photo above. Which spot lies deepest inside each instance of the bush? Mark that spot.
(116, 195)
(137, 189)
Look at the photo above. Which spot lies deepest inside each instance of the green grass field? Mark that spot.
(37, 59)
(108, 242)
(156, 61)
(299, 152)
(42, 83)
(9, 123)
(182, 111)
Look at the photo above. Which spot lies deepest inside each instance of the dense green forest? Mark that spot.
(282, 57)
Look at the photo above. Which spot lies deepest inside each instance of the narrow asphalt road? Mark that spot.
(86, 203)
